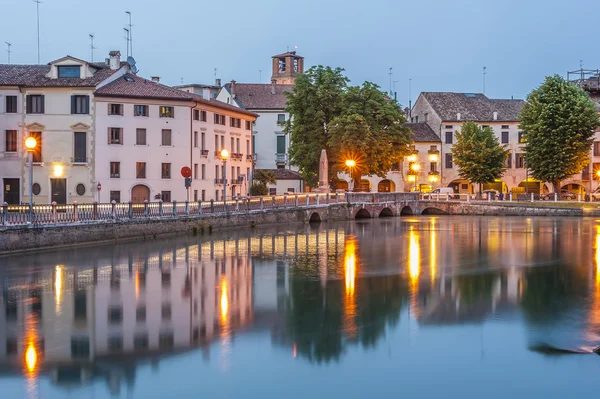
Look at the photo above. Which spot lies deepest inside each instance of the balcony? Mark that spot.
(281, 158)
(237, 156)
(219, 181)
(249, 158)
(240, 179)
(204, 153)
(80, 160)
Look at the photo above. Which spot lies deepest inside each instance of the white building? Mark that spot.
(53, 103)
(147, 132)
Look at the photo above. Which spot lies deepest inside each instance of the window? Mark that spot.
(166, 340)
(449, 127)
(166, 171)
(203, 175)
(216, 195)
(115, 196)
(115, 343)
(433, 166)
(11, 104)
(166, 311)
(140, 170)
(166, 137)
(196, 115)
(248, 124)
(80, 104)
(504, 137)
(203, 141)
(140, 314)
(280, 119)
(115, 109)
(115, 135)
(36, 188)
(196, 139)
(235, 122)
(80, 305)
(203, 116)
(232, 145)
(508, 162)
(12, 347)
(448, 161)
(165, 196)
(449, 137)
(115, 170)
(519, 160)
(80, 347)
(237, 146)
(203, 198)
(80, 189)
(167, 112)
(69, 71)
(79, 147)
(37, 152)
(140, 110)
(219, 119)
(280, 144)
(35, 104)
(140, 136)
(505, 127)
(11, 141)
(195, 171)
(115, 315)
(597, 148)
(140, 341)
(272, 191)
(196, 195)
(521, 137)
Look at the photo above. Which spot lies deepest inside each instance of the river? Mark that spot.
(434, 306)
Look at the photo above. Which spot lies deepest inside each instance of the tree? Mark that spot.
(261, 179)
(478, 154)
(354, 122)
(313, 102)
(558, 123)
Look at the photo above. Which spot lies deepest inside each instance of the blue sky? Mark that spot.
(441, 45)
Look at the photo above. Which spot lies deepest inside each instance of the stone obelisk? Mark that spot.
(323, 173)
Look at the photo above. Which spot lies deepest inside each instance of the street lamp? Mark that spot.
(30, 143)
(415, 167)
(224, 156)
(351, 163)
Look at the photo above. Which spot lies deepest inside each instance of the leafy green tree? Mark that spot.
(478, 154)
(313, 103)
(558, 123)
(350, 122)
(261, 179)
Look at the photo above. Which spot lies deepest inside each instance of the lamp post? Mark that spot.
(224, 156)
(351, 163)
(415, 168)
(30, 143)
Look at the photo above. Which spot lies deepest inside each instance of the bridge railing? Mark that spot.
(511, 197)
(15, 215)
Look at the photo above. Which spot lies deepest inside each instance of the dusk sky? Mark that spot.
(441, 45)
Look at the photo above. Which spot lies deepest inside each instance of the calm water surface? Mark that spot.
(414, 307)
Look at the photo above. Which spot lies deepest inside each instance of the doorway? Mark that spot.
(139, 194)
(58, 190)
(11, 191)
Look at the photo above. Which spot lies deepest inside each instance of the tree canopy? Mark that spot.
(350, 122)
(558, 123)
(478, 154)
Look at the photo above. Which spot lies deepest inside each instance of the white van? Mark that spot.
(442, 192)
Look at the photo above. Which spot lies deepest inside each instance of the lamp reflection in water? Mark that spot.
(31, 358)
(224, 300)
(414, 268)
(58, 287)
(593, 319)
(225, 331)
(432, 251)
(350, 264)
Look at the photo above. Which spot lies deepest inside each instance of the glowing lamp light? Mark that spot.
(433, 157)
(58, 170)
(433, 178)
(412, 178)
(598, 173)
(415, 166)
(31, 357)
(350, 163)
(30, 143)
(412, 158)
(224, 154)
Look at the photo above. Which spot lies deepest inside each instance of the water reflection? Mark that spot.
(320, 293)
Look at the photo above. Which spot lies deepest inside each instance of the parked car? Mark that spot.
(564, 195)
(493, 193)
(442, 192)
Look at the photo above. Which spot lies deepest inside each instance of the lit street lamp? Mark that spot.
(415, 168)
(224, 156)
(351, 163)
(30, 143)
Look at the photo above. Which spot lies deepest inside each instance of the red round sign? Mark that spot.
(99, 186)
(186, 171)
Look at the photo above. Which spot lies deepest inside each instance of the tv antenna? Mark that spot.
(8, 51)
(390, 73)
(37, 3)
(130, 48)
(127, 39)
(260, 76)
(92, 48)
(484, 73)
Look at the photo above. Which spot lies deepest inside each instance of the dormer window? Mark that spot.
(69, 71)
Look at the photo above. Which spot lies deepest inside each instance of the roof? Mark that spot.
(473, 107)
(132, 86)
(422, 133)
(259, 96)
(284, 174)
(35, 76)
(203, 86)
(287, 54)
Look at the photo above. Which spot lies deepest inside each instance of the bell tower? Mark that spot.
(286, 66)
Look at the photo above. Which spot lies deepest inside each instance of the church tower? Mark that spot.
(286, 66)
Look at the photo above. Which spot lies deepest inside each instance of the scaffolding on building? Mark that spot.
(587, 79)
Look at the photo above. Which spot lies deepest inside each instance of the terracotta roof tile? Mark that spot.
(284, 174)
(35, 76)
(422, 133)
(473, 107)
(287, 54)
(259, 96)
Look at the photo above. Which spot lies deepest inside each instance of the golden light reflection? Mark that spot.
(432, 251)
(137, 285)
(414, 269)
(594, 312)
(31, 357)
(58, 287)
(224, 299)
(350, 264)
(31, 360)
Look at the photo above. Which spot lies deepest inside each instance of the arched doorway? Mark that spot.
(386, 186)
(461, 186)
(531, 186)
(574, 188)
(140, 193)
(341, 184)
(497, 185)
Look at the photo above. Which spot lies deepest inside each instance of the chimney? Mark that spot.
(218, 82)
(115, 60)
(458, 116)
(233, 88)
(273, 81)
(495, 116)
(155, 79)
(107, 61)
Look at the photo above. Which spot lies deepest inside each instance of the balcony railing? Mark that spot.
(249, 157)
(237, 156)
(204, 153)
(80, 160)
(220, 181)
(281, 158)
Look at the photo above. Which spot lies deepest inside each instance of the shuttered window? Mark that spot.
(80, 150)
(166, 137)
(140, 170)
(35, 104)
(11, 141)
(140, 136)
(80, 104)
(115, 135)
(37, 152)
(281, 144)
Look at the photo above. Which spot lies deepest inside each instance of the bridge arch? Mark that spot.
(433, 211)
(362, 213)
(406, 211)
(315, 217)
(386, 213)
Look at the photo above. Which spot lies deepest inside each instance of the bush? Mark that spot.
(259, 188)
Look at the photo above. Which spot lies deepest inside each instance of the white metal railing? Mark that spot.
(511, 197)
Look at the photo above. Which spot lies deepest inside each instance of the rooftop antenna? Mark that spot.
(391, 94)
(260, 76)
(410, 97)
(8, 51)
(215, 74)
(92, 48)
(581, 68)
(484, 73)
(130, 50)
(127, 38)
(394, 88)
(37, 3)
